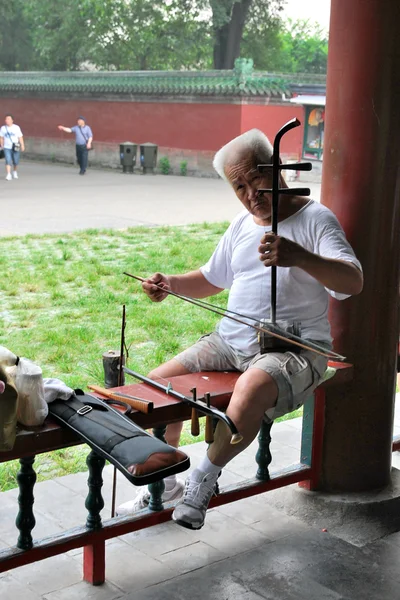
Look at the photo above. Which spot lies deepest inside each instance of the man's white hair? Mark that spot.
(254, 142)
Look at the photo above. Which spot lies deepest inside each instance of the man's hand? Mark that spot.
(152, 291)
(280, 252)
(337, 275)
(60, 127)
(88, 145)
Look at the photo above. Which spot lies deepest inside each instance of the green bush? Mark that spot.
(164, 165)
(183, 167)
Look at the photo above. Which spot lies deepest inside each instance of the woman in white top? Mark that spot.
(12, 142)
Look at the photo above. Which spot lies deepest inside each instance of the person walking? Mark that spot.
(12, 142)
(83, 140)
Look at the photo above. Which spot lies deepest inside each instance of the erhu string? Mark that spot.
(284, 336)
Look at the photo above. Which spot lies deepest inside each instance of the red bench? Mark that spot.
(95, 532)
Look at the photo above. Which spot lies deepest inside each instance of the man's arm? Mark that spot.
(89, 143)
(66, 129)
(192, 284)
(1, 141)
(339, 276)
(21, 141)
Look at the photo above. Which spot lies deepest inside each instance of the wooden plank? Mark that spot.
(51, 436)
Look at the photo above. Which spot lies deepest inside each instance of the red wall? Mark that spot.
(270, 119)
(186, 126)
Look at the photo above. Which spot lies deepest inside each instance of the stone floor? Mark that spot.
(54, 199)
(246, 551)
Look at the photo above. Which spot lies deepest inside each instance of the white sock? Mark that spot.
(170, 482)
(206, 466)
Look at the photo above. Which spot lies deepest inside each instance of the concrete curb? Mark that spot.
(356, 518)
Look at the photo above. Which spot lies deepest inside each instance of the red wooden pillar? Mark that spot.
(361, 184)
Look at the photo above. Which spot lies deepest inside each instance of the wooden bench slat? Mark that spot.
(51, 436)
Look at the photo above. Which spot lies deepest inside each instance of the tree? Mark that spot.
(262, 39)
(135, 34)
(298, 47)
(59, 33)
(16, 48)
(142, 34)
(304, 47)
(230, 18)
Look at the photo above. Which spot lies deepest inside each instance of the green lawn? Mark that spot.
(61, 300)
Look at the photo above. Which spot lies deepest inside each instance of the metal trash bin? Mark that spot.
(148, 157)
(127, 152)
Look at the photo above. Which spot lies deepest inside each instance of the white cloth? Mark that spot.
(55, 389)
(15, 133)
(235, 265)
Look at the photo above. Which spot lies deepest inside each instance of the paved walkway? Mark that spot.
(247, 550)
(55, 199)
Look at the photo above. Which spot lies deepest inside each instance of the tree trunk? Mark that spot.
(228, 36)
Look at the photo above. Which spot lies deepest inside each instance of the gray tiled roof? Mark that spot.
(241, 81)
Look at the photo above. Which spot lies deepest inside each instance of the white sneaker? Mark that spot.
(8, 177)
(191, 511)
(15, 174)
(143, 498)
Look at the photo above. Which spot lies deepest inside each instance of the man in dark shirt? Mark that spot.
(84, 138)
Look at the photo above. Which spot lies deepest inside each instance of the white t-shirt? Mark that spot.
(15, 133)
(235, 265)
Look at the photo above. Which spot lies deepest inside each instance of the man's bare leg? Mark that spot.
(255, 393)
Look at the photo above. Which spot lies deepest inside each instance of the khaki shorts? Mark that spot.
(296, 375)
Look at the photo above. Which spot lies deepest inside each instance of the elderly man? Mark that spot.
(315, 260)
(83, 141)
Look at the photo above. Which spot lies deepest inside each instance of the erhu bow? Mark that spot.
(225, 312)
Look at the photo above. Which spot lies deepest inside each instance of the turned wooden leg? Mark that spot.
(157, 488)
(263, 456)
(94, 565)
(25, 520)
(94, 500)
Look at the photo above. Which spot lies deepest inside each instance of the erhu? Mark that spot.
(267, 342)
